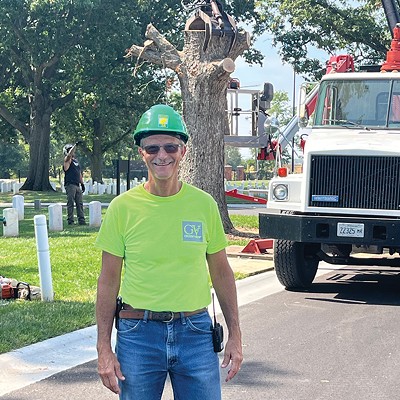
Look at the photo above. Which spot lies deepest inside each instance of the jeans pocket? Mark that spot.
(127, 325)
(199, 323)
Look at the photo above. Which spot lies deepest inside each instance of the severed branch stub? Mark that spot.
(227, 65)
(156, 50)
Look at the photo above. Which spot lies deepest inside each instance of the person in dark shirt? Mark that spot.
(73, 183)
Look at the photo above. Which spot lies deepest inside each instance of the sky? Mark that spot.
(273, 70)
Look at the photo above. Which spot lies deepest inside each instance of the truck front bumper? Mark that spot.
(330, 229)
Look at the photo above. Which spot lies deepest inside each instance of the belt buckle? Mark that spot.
(171, 319)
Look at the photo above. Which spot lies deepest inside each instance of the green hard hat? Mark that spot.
(160, 120)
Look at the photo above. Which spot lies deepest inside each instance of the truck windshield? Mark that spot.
(359, 103)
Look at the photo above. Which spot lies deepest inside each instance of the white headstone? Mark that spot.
(55, 217)
(95, 213)
(11, 229)
(15, 187)
(101, 188)
(18, 204)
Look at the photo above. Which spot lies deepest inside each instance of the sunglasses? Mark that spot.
(155, 148)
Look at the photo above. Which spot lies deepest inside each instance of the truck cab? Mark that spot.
(346, 201)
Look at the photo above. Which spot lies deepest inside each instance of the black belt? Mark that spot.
(129, 312)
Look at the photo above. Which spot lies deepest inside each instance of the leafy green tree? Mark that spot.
(354, 27)
(112, 91)
(36, 36)
(233, 156)
(281, 107)
(13, 156)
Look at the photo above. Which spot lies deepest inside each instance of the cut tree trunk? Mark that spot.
(203, 88)
(203, 76)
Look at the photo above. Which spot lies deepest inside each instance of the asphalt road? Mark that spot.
(337, 341)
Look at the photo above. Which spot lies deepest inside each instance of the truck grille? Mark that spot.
(355, 182)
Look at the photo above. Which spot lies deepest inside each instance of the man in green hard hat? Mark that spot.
(168, 235)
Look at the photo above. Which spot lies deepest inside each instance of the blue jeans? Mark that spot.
(149, 350)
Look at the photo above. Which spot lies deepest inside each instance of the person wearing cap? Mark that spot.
(167, 236)
(74, 186)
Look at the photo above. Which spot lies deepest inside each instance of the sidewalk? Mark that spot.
(41, 360)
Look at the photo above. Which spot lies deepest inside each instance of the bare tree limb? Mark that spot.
(14, 122)
(119, 139)
(61, 101)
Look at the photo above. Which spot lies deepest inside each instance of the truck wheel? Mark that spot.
(296, 263)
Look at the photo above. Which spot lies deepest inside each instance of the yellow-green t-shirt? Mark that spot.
(164, 242)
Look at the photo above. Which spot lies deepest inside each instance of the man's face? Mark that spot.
(164, 164)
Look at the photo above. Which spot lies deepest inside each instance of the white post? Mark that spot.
(11, 229)
(43, 254)
(18, 204)
(94, 213)
(55, 217)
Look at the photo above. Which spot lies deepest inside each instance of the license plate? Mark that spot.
(345, 229)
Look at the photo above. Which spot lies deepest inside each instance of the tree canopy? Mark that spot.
(63, 75)
(358, 28)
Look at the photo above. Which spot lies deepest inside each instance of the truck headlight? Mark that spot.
(280, 192)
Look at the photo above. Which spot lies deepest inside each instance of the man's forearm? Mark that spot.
(107, 291)
(105, 312)
(224, 285)
(225, 289)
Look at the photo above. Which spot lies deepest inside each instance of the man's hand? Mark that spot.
(109, 370)
(233, 354)
(83, 188)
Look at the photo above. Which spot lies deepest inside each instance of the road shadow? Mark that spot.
(261, 374)
(359, 286)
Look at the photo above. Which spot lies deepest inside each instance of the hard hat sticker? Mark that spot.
(163, 121)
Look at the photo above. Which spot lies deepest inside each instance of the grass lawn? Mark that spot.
(75, 267)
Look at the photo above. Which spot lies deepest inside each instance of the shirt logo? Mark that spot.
(192, 231)
(163, 121)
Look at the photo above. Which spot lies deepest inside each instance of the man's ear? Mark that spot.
(184, 149)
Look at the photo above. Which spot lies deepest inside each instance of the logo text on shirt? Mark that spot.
(192, 231)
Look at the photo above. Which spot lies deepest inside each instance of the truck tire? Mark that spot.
(296, 263)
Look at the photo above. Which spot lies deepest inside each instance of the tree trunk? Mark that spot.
(39, 142)
(96, 157)
(203, 76)
(203, 89)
